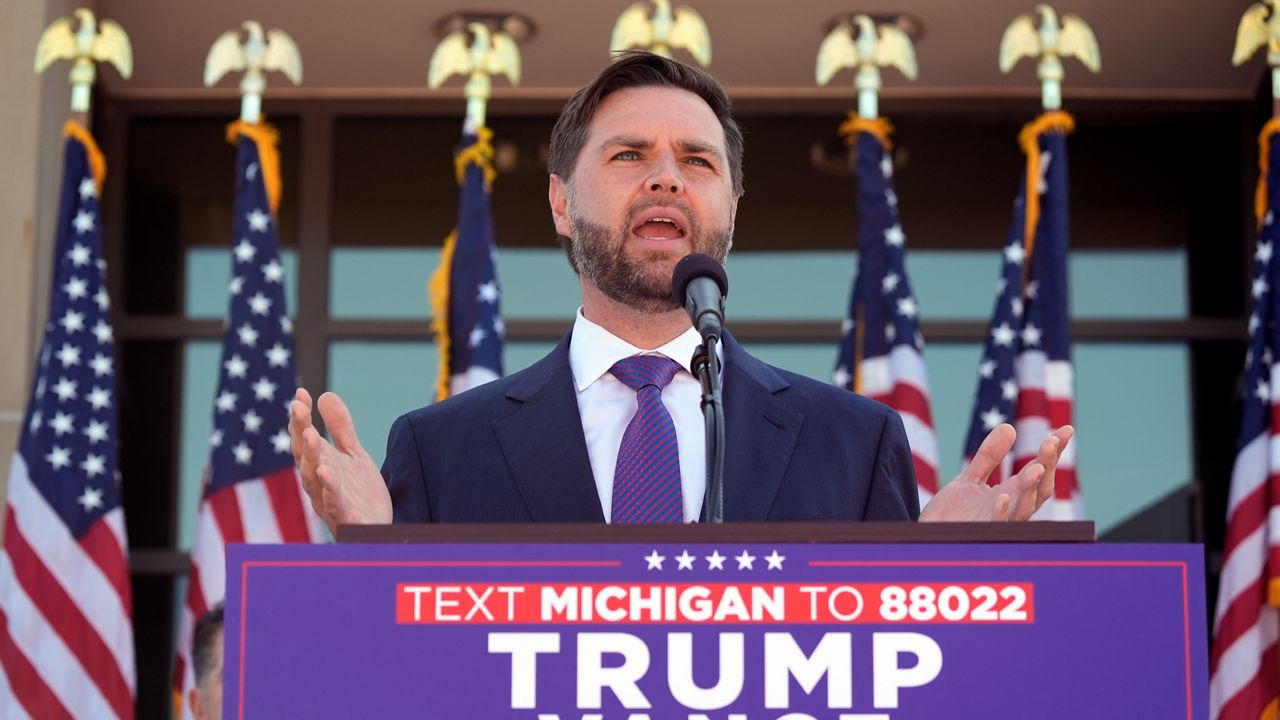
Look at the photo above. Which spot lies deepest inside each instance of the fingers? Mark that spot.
(299, 420)
(337, 419)
(990, 454)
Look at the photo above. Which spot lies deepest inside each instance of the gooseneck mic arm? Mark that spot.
(701, 283)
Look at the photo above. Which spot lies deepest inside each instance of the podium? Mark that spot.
(776, 621)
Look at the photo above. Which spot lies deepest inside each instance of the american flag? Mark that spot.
(1244, 675)
(468, 322)
(66, 635)
(880, 345)
(252, 492)
(1026, 377)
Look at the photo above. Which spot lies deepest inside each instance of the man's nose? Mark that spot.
(665, 177)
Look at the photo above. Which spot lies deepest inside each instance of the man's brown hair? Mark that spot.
(641, 69)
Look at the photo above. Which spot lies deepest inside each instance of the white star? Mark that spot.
(1031, 335)
(1260, 287)
(886, 166)
(277, 356)
(685, 561)
(248, 336)
(65, 389)
(96, 432)
(1263, 392)
(245, 250)
(1267, 220)
(1015, 304)
(841, 377)
(477, 336)
(237, 284)
(891, 198)
(654, 560)
(890, 331)
(35, 422)
(91, 499)
(69, 355)
(1014, 254)
(88, 188)
(775, 560)
(264, 389)
(72, 322)
(992, 418)
(243, 453)
(215, 439)
(907, 307)
(1003, 335)
(252, 422)
(919, 341)
(1033, 287)
(62, 423)
(894, 236)
(1042, 185)
(59, 457)
(1009, 390)
(102, 331)
(260, 304)
(273, 271)
(488, 292)
(79, 255)
(499, 327)
(226, 402)
(715, 561)
(746, 561)
(251, 171)
(1263, 255)
(76, 288)
(258, 220)
(99, 398)
(889, 283)
(101, 298)
(94, 465)
(236, 366)
(286, 324)
(1001, 284)
(83, 222)
(281, 442)
(845, 326)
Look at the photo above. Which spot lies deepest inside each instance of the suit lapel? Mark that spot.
(544, 446)
(760, 434)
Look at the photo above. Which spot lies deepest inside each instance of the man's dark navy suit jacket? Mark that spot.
(512, 450)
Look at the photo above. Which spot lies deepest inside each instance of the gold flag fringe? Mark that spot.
(97, 163)
(267, 138)
(1052, 121)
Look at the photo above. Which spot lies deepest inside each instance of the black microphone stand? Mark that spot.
(706, 365)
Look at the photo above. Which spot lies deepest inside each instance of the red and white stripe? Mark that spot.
(1246, 675)
(900, 381)
(273, 509)
(66, 628)
(1046, 397)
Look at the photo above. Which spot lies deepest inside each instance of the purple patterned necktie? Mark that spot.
(646, 481)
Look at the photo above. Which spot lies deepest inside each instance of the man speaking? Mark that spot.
(645, 168)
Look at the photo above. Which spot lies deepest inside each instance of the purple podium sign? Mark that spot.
(717, 631)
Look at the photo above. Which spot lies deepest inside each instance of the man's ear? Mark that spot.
(558, 197)
(196, 703)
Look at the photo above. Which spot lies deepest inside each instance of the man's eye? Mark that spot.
(627, 155)
(700, 161)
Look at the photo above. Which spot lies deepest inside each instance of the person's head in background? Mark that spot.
(206, 657)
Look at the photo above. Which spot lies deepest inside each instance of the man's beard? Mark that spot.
(642, 283)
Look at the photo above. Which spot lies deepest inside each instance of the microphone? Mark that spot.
(702, 284)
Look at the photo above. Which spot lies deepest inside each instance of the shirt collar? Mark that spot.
(593, 350)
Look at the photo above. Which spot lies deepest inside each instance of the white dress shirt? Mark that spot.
(607, 406)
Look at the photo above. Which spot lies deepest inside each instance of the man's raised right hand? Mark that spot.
(344, 485)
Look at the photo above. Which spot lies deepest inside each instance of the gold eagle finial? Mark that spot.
(1260, 27)
(488, 53)
(874, 48)
(93, 42)
(1051, 42)
(681, 29)
(260, 53)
